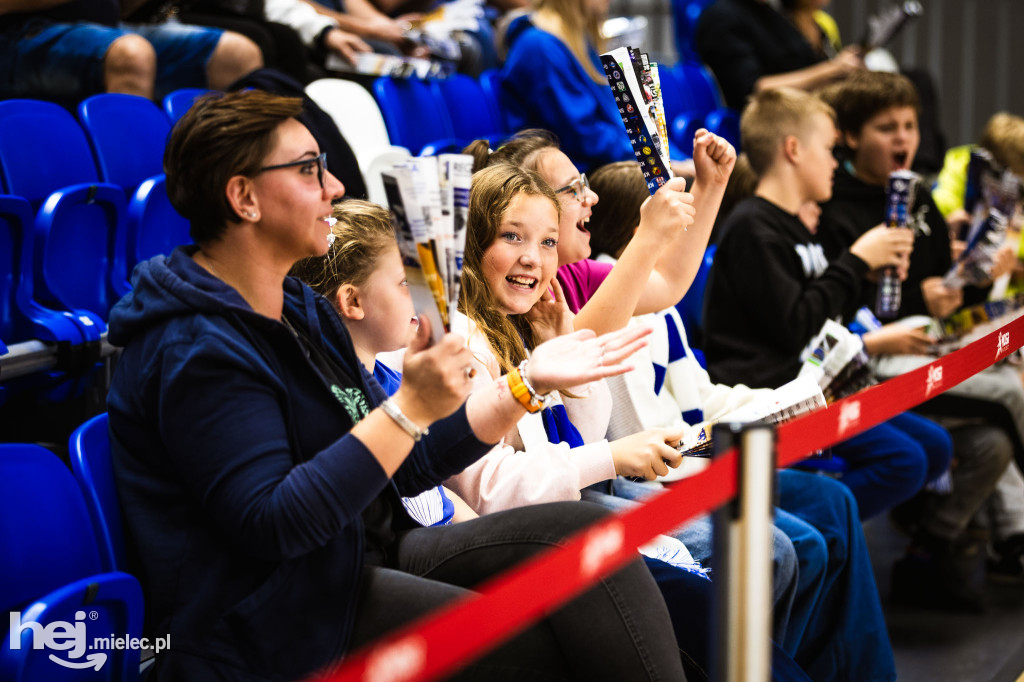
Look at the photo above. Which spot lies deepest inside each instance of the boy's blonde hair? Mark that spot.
(772, 116)
(362, 233)
(1004, 138)
(493, 191)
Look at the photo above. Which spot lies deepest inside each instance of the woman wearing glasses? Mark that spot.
(657, 267)
(260, 468)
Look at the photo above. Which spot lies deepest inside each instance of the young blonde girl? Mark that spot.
(363, 278)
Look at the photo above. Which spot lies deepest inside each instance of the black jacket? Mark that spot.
(743, 40)
(856, 207)
(241, 488)
(769, 292)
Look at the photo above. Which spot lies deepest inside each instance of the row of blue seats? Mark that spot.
(60, 566)
(80, 205)
(82, 202)
(430, 116)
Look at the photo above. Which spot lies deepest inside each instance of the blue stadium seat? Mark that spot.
(153, 227)
(415, 116)
(75, 267)
(22, 318)
(51, 575)
(77, 216)
(691, 308)
(490, 82)
(93, 469)
(473, 115)
(685, 14)
(178, 102)
(127, 135)
(681, 112)
(707, 100)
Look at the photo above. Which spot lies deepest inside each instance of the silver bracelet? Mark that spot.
(392, 410)
(535, 398)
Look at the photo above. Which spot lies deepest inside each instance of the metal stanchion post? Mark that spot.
(743, 558)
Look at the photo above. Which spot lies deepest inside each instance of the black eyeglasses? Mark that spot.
(320, 161)
(578, 187)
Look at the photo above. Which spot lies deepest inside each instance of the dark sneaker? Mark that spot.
(948, 580)
(1006, 560)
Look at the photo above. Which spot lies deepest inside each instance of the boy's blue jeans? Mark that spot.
(891, 462)
(835, 628)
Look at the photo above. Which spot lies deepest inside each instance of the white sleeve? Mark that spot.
(505, 478)
(298, 15)
(590, 411)
(532, 470)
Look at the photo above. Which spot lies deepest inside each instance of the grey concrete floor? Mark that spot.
(933, 645)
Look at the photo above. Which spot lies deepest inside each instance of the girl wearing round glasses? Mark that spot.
(260, 467)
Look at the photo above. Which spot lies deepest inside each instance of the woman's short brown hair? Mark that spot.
(220, 137)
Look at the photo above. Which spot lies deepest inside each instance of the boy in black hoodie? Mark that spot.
(771, 289)
(877, 117)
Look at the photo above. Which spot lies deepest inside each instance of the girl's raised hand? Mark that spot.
(581, 357)
(669, 210)
(550, 316)
(713, 158)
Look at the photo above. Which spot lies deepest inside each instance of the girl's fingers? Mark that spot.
(618, 339)
(556, 289)
(624, 353)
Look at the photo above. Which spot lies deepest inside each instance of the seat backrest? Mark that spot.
(11, 229)
(490, 82)
(153, 226)
(674, 94)
(127, 134)
(413, 113)
(51, 580)
(469, 109)
(701, 84)
(93, 469)
(45, 532)
(42, 148)
(22, 318)
(356, 114)
(178, 102)
(77, 226)
(686, 13)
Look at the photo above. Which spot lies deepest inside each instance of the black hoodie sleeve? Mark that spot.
(788, 308)
(761, 309)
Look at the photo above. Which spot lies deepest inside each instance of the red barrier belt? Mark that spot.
(441, 642)
(850, 416)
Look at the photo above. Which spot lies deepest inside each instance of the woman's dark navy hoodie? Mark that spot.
(241, 491)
